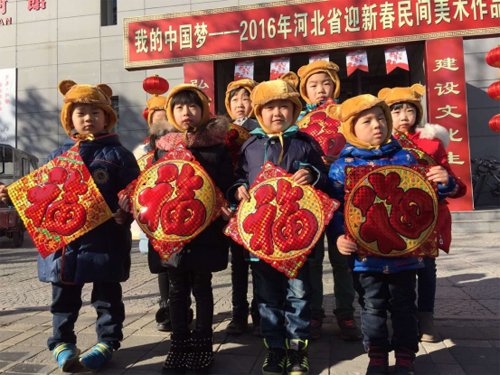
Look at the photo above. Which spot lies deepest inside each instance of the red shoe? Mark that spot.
(349, 330)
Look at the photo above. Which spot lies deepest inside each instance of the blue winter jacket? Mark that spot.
(299, 152)
(103, 254)
(388, 154)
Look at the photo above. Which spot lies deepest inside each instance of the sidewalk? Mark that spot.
(467, 316)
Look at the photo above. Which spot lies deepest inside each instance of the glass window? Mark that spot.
(109, 14)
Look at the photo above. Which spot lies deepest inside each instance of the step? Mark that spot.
(490, 215)
(476, 226)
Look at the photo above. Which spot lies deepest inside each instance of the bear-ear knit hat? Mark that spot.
(268, 91)
(98, 95)
(205, 100)
(349, 111)
(247, 84)
(411, 95)
(318, 66)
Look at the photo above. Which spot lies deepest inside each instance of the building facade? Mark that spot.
(83, 40)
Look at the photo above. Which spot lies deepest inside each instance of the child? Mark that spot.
(157, 116)
(407, 114)
(101, 256)
(239, 105)
(319, 85)
(239, 108)
(189, 121)
(283, 303)
(384, 284)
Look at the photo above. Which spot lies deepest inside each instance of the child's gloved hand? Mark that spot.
(227, 213)
(4, 196)
(242, 194)
(120, 216)
(438, 175)
(346, 246)
(303, 177)
(124, 203)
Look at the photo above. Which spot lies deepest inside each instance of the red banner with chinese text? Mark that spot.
(447, 106)
(202, 75)
(298, 26)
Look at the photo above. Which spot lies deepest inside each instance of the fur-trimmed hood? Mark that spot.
(434, 131)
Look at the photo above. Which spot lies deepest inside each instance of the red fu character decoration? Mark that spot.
(282, 221)
(324, 128)
(391, 211)
(174, 200)
(59, 202)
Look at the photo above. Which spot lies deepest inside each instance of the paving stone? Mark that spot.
(476, 356)
(449, 369)
(465, 333)
(468, 343)
(492, 369)
(233, 363)
(426, 368)
(5, 335)
(439, 353)
(29, 368)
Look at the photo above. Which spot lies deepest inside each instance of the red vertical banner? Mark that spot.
(202, 75)
(447, 106)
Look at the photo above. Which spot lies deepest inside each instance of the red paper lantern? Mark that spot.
(495, 123)
(155, 85)
(494, 90)
(145, 113)
(493, 57)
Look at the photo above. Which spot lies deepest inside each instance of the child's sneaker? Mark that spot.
(379, 361)
(405, 359)
(275, 361)
(297, 362)
(349, 330)
(66, 355)
(97, 356)
(316, 325)
(237, 326)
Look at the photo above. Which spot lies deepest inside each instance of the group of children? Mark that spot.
(286, 312)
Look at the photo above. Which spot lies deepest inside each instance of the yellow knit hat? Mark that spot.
(205, 100)
(247, 84)
(319, 66)
(155, 103)
(411, 95)
(277, 89)
(98, 95)
(352, 108)
(268, 91)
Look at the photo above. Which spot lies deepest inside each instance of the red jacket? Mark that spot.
(432, 139)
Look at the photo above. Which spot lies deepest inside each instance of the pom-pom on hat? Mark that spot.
(318, 66)
(247, 84)
(277, 89)
(205, 100)
(98, 95)
(349, 111)
(411, 95)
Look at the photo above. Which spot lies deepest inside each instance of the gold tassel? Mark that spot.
(280, 136)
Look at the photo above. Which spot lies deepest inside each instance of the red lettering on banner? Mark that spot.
(446, 101)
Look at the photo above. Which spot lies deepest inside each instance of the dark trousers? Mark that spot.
(394, 293)
(239, 281)
(282, 300)
(66, 303)
(427, 286)
(342, 277)
(181, 282)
